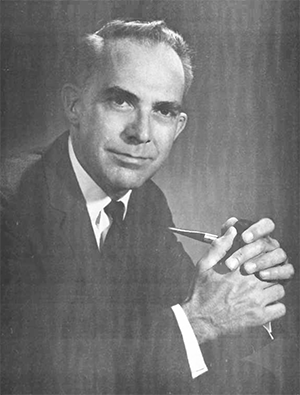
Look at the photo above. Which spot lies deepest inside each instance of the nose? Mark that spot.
(138, 131)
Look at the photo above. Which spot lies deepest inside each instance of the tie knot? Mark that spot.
(115, 210)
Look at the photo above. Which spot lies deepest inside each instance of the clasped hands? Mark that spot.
(247, 294)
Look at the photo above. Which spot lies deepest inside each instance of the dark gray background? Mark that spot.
(240, 152)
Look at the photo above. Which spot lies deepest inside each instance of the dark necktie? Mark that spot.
(113, 250)
(115, 211)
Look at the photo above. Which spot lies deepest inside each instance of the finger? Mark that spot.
(267, 260)
(260, 229)
(281, 272)
(273, 294)
(248, 253)
(273, 312)
(218, 250)
(230, 222)
(273, 242)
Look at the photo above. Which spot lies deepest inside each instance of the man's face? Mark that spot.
(129, 115)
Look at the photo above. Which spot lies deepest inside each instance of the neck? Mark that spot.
(114, 195)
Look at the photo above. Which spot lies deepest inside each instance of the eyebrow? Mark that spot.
(113, 90)
(172, 105)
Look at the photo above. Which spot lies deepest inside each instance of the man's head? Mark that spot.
(125, 109)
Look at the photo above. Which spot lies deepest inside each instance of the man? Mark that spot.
(98, 295)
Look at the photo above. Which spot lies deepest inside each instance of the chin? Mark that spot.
(125, 184)
(121, 180)
(130, 185)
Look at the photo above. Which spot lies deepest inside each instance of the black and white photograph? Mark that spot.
(149, 191)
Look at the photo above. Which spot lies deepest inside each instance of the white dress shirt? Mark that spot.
(96, 200)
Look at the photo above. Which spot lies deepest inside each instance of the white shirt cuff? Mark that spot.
(192, 348)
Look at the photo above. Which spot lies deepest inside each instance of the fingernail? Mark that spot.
(250, 267)
(248, 237)
(264, 275)
(232, 263)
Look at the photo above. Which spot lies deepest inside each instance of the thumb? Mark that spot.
(217, 251)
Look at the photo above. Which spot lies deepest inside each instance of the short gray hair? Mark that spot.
(89, 56)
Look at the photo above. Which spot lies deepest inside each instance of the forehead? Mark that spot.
(143, 66)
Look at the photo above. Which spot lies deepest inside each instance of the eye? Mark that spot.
(166, 112)
(120, 102)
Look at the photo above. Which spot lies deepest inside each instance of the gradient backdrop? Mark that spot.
(240, 152)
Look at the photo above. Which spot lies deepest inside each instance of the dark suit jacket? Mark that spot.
(77, 321)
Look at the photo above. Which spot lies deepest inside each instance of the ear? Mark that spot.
(70, 97)
(181, 124)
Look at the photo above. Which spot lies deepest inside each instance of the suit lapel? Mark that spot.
(68, 205)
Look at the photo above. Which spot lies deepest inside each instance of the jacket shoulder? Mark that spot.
(14, 169)
(150, 203)
(25, 167)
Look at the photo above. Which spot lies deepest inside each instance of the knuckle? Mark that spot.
(218, 248)
(269, 224)
(239, 256)
(280, 291)
(262, 245)
(287, 270)
(291, 270)
(281, 255)
(262, 262)
(256, 301)
(273, 242)
(216, 243)
(260, 315)
(281, 310)
(278, 311)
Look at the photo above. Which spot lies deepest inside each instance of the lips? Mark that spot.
(129, 158)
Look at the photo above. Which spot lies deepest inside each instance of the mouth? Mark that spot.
(130, 159)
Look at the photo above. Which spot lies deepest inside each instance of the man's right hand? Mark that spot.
(230, 302)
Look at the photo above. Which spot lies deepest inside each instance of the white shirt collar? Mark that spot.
(96, 199)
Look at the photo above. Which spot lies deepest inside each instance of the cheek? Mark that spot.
(94, 130)
(108, 126)
(164, 141)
